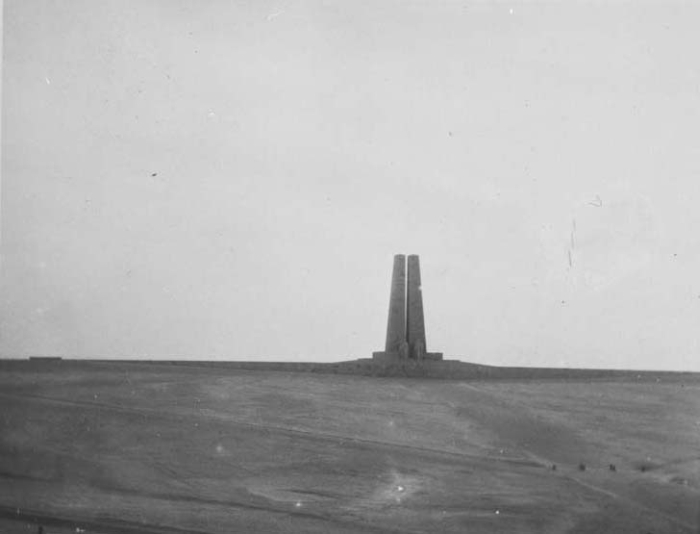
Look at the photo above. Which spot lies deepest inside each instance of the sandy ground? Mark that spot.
(137, 448)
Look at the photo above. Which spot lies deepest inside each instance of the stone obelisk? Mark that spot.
(405, 331)
(414, 311)
(396, 325)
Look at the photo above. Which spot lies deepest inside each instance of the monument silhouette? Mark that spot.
(405, 331)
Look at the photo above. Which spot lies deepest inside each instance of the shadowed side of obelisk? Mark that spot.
(414, 311)
(396, 324)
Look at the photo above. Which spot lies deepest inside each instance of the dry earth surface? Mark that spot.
(125, 448)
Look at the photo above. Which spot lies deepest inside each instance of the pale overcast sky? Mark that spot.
(230, 180)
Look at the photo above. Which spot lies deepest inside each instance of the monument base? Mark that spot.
(391, 357)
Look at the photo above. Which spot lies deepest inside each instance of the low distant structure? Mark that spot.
(45, 358)
(405, 332)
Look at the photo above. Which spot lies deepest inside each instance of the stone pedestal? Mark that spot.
(395, 357)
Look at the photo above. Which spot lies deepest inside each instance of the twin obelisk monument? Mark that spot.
(405, 332)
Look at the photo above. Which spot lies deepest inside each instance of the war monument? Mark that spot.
(405, 332)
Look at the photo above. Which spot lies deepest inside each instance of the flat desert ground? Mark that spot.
(126, 448)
